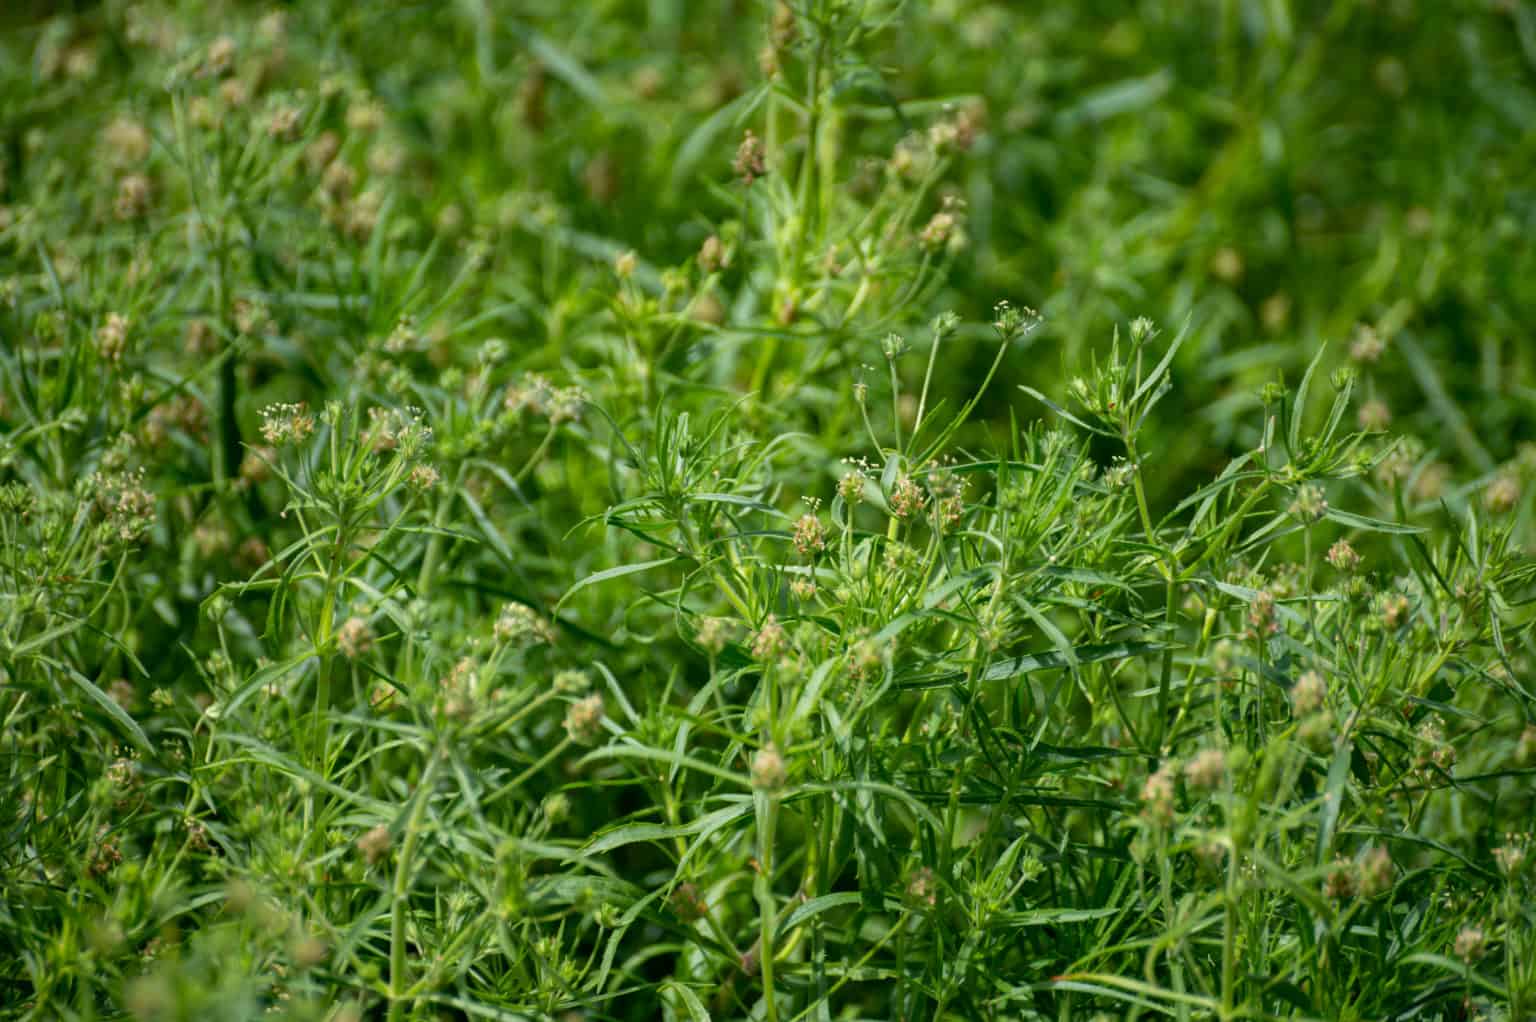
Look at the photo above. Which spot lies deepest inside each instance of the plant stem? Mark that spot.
(767, 821)
(324, 642)
(401, 889)
(1171, 569)
(522, 778)
(434, 553)
(1229, 944)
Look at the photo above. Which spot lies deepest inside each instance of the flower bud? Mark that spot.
(1157, 796)
(1471, 944)
(1308, 693)
(1343, 557)
(769, 640)
(750, 163)
(768, 770)
(1207, 770)
(1309, 505)
(584, 720)
(1502, 494)
(810, 535)
(711, 255)
(1375, 872)
(374, 844)
(354, 637)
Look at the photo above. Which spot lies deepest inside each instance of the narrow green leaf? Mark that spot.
(690, 1000)
(1355, 521)
(635, 833)
(108, 705)
(612, 573)
(1299, 404)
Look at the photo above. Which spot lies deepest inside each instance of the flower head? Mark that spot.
(1308, 693)
(1310, 505)
(1343, 557)
(286, 424)
(1471, 944)
(1375, 872)
(750, 163)
(584, 720)
(354, 637)
(374, 844)
(1502, 494)
(519, 624)
(112, 338)
(1157, 796)
(1207, 770)
(810, 534)
(1367, 345)
(768, 770)
(769, 640)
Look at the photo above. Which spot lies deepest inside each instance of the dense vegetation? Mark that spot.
(793, 511)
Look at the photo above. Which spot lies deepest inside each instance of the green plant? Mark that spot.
(540, 512)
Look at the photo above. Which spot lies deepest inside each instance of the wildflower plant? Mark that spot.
(536, 513)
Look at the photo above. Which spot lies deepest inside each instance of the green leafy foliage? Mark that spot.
(790, 511)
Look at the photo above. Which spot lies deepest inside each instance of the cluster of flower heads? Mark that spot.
(112, 338)
(535, 395)
(1367, 876)
(403, 430)
(1262, 619)
(396, 429)
(907, 499)
(458, 691)
(520, 625)
(1011, 321)
(853, 482)
(1158, 795)
(127, 508)
(1367, 345)
(1343, 557)
(354, 638)
(714, 633)
(184, 412)
(945, 230)
(770, 639)
(1310, 505)
(283, 424)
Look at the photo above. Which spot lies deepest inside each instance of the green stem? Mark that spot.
(767, 815)
(1311, 596)
(1230, 915)
(522, 778)
(1136, 484)
(536, 457)
(696, 552)
(922, 400)
(1218, 545)
(858, 967)
(324, 641)
(400, 893)
(1165, 678)
(435, 541)
(1229, 945)
(1171, 569)
(1258, 689)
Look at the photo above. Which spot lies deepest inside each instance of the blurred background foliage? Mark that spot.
(1278, 174)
